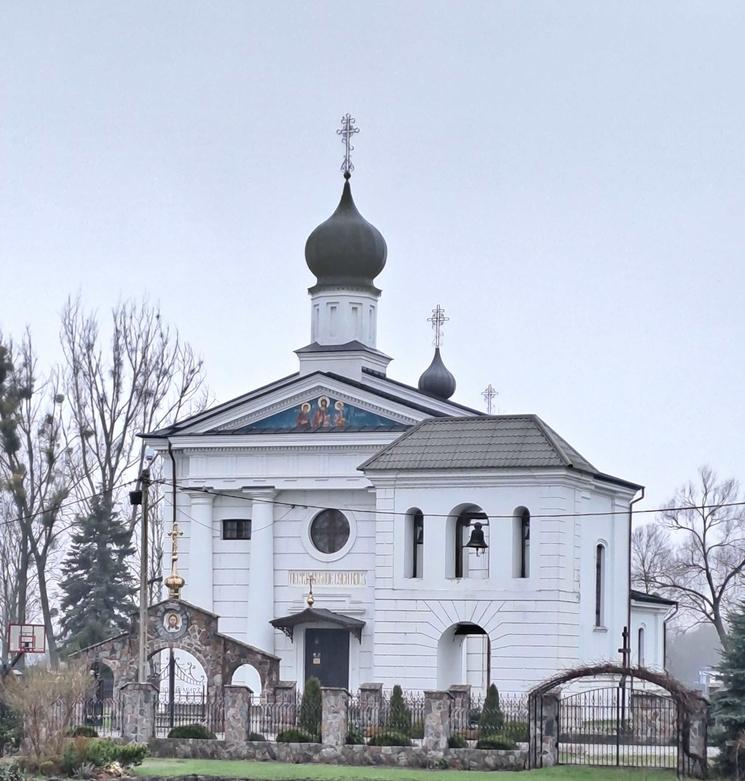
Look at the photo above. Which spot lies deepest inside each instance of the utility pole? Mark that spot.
(142, 657)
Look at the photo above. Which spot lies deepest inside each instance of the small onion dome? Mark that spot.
(346, 250)
(437, 380)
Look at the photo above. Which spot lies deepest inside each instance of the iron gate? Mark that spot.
(615, 725)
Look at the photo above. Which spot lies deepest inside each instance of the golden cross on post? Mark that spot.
(438, 319)
(489, 394)
(346, 132)
(310, 599)
(174, 581)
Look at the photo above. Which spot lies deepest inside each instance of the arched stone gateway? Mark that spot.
(180, 625)
(619, 716)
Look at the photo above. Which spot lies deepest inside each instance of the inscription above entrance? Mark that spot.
(299, 577)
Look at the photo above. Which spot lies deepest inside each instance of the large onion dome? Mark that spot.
(437, 380)
(346, 250)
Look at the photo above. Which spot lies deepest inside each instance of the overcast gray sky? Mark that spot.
(566, 179)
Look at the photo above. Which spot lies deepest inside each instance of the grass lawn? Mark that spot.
(280, 771)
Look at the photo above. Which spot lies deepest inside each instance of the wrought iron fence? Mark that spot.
(614, 725)
(103, 715)
(187, 709)
(268, 720)
(501, 720)
(388, 718)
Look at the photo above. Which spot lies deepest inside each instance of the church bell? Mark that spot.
(477, 541)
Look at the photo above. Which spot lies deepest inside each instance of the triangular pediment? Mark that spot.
(318, 409)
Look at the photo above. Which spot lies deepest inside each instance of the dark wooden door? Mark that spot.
(327, 656)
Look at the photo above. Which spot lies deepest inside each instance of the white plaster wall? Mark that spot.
(653, 620)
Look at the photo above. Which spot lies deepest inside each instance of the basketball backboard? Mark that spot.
(27, 639)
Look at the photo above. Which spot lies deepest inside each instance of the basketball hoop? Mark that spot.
(27, 639)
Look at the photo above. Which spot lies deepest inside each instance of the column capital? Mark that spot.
(259, 491)
(200, 492)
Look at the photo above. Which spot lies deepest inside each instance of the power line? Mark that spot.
(42, 511)
(369, 511)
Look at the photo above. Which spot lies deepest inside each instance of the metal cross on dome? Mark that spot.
(438, 319)
(346, 132)
(174, 534)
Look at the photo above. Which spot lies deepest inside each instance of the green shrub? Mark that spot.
(399, 714)
(256, 737)
(47, 767)
(517, 730)
(296, 736)
(99, 752)
(11, 771)
(457, 741)
(500, 742)
(492, 719)
(310, 707)
(355, 738)
(390, 739)
(196, 731)
(83, 731)
(417, 729)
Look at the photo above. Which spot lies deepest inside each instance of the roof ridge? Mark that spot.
(396, 441)
(563, 445)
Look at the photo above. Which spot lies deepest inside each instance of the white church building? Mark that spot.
(442, 545)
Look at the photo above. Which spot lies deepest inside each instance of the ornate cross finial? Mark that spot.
(346, 132)
(174, 581)
(489, 394)
(310, 599)
(438, 319)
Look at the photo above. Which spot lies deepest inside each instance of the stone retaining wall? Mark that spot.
(316, 753)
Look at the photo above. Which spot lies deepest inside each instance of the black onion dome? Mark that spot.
(346, 249)
(437, 380)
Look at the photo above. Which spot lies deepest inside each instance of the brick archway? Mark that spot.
(195, 631)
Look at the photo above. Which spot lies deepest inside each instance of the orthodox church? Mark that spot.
(365, 530)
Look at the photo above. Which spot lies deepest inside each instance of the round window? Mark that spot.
(329, 531)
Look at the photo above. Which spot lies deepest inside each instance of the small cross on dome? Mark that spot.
(438, 319)
(346, 132)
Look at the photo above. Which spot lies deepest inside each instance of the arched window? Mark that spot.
(640, 650)
(467, 562)
(599, 585)
(521, 543)
(414, 544)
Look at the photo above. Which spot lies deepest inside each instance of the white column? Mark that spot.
(198, 588)
(260, 632)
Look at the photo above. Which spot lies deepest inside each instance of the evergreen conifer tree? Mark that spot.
(492, 718)
(97, 585)
(399, 716)
(310, 707)
(729, 701)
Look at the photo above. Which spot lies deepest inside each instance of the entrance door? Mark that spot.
(327, 656)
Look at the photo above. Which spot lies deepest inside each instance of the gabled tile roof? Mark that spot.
(484, 442)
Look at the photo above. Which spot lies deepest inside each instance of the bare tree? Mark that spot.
(703, 565)
(32, 470)
(142, 379)
(651, 555)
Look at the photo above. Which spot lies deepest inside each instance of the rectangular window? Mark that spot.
(236, 529)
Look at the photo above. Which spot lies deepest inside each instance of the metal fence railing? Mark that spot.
(267, 720)
(393, 717)
(479, 718)
(102, 715)
(189, 710)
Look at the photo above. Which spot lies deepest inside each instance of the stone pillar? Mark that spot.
(371, 703)
(436, 720)
(284, 697)
(138, 711)
(695, 758)
(260, 632)
(549, 729)
(461, 707)
(237, 701)
(334, 716)
(198, 588)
